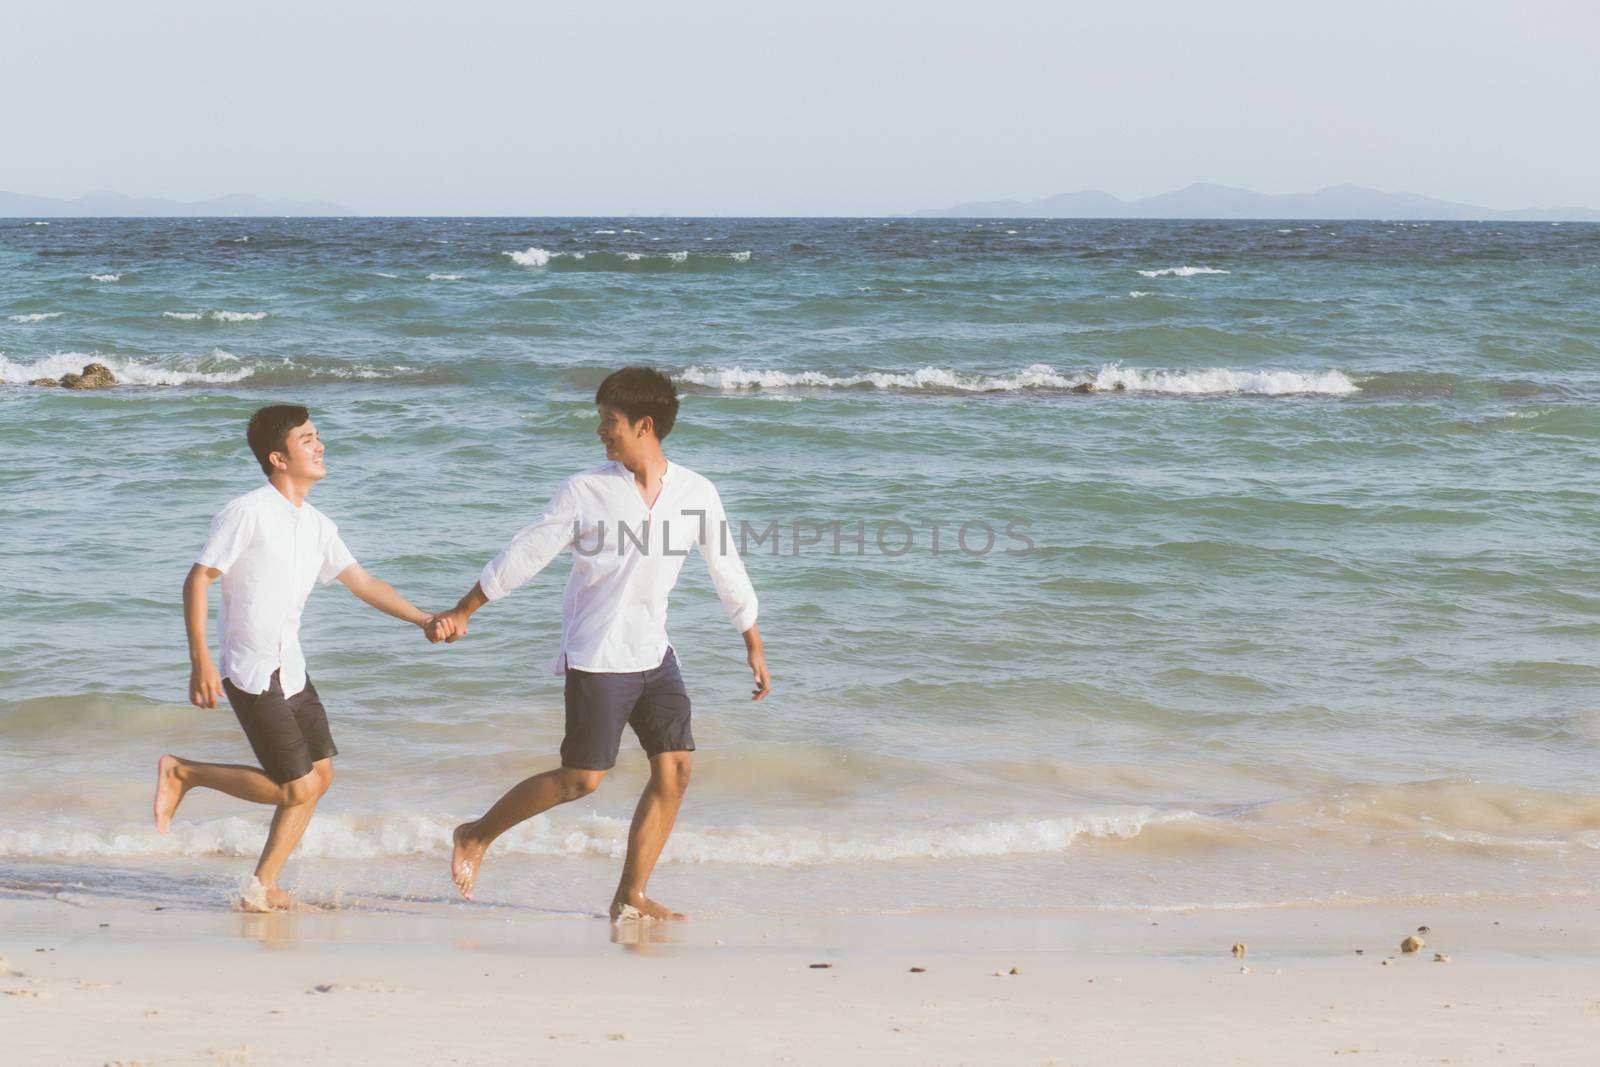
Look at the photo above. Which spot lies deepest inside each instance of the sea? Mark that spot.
(1102, 565)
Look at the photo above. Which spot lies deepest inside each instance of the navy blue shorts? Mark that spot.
(287, 734)
(653, 702)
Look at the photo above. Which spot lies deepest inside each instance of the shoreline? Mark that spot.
(136, 984)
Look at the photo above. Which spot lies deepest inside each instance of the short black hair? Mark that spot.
(641, 391)
(269, 430)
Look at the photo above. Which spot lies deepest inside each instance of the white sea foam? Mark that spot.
(105, 277)
(381, 274)
(633, 257)
(606, 231)
(215, 316)
(445, 277)
(532, 257)
(179, 371)
(38, 224)
(1039, 376)
(240, 240)
(678, 257)
(1180, 272)
(348, 837)
(39, 317)
(639, 232)
(1137, 293)
(739, 257)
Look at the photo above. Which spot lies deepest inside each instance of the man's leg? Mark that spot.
(652, 825)
(289, 824)
(176, 776)
(522, 801)
(294, 800)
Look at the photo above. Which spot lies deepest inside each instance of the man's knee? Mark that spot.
(323, 769)
(303, 790)
(577, 783)
(672, 769)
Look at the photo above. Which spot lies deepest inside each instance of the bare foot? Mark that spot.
(169, 792)
(466, 858)
(637, 906)
(262, 899)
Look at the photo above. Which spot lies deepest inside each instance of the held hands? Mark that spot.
(446, 626)
(205, 685)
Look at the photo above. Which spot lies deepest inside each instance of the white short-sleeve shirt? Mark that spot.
(270, 553)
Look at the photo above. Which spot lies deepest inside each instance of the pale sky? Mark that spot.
(700, 107)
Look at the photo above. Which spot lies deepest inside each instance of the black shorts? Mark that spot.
(287, 734)
(653, 702)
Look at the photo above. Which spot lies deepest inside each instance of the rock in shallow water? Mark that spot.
(94, 376)
(44, 381)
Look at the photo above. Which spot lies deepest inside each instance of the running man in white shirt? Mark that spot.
(629, 523)
(269, 547)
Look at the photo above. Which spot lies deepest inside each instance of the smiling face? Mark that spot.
(301, 455)
(623, 440)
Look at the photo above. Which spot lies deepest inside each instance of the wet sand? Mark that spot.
(98, 985)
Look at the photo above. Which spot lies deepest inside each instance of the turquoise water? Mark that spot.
(1307, 609)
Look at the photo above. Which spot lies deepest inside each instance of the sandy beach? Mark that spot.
(90, 985)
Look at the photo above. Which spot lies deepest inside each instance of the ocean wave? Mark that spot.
(38, 317)
(530, 257)
(446, 277)
(355, 837)
(1038, 377)
(1180, 272)
(218, 368)
(215, 316)
(624, 260)
(105, 277)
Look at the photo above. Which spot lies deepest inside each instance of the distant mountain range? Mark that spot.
(1204, 201)
(115, 205)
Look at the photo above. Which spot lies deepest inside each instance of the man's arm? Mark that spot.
(757, 657)
(526, 555)
(381, 595)
(738, 596)
(205, 685)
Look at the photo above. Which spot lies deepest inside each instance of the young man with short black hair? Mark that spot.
(269, 547)
(630, 522)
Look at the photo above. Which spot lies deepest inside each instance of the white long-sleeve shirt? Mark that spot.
(626, 558)
(270, 553)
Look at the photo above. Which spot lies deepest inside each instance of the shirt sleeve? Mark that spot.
(535, 545)
(335, 557)
(716, 546)
(231, 533)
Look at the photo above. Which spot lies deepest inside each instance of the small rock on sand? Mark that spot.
(1441, 957)
(820, 966)
(919, 970)
(1244, 970)
(1016, 970)
(1422, 929)
(1412, 944)
(1239, 949)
